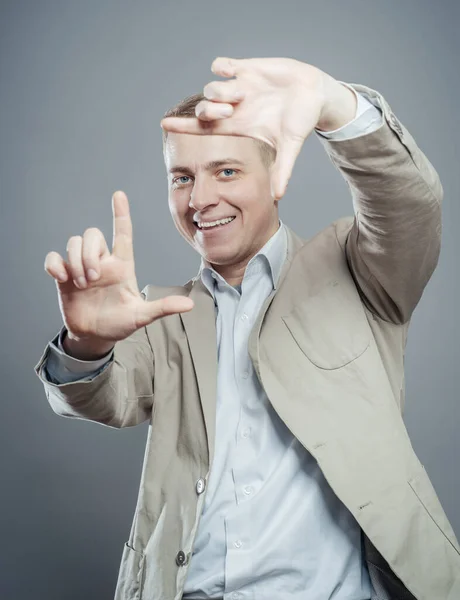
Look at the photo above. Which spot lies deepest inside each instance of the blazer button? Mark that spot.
(182, 558)
(200, 485)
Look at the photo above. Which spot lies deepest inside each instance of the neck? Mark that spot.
(233, 274)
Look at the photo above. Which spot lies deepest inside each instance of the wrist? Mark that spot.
(339, 107)
(83, 349)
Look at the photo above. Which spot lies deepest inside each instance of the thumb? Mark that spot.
(286, 156)
(150, 311)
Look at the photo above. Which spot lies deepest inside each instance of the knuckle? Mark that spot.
(76, 275)
(75, 265)
(199, 109)
(205, 116)
(73, 241)
(204, 109)
(92, 231)
(90, 262)
(210, 90)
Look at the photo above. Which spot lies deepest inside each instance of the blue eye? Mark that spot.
(183, 180)
(228, 172)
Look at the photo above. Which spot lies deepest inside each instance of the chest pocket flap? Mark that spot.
(330, 327)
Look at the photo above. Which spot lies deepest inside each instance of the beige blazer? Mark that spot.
(328, 348)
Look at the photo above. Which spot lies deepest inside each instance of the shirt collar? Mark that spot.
(269, 259)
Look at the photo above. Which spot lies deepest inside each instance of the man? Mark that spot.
(277, 461)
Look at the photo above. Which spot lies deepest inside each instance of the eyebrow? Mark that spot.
(210, 166)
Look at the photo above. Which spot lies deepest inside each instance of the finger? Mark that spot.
(286, 156)
(199, 127)
(228, 67)
(56, 267)
(93, 249)
(224, 91)
(156, 309)
(186, 125)
(122, 245)
(211, 111)
(74, 259)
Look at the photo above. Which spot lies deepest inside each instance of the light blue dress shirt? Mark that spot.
(271, 526)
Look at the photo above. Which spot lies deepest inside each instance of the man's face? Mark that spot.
(212, 177)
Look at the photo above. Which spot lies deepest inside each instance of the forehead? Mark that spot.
(197, 150)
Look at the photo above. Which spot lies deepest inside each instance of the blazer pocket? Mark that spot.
(330, 328)
(425, 492)
(130, 578)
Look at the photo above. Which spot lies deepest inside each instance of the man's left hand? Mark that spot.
(277, 100)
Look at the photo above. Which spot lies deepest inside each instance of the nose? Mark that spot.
(202, 195)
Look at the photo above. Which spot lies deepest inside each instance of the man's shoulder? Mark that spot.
(342, 228)
(337, 231)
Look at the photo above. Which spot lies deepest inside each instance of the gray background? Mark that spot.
(83, 87)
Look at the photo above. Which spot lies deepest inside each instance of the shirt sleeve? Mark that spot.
(61, 368)
(369, 117)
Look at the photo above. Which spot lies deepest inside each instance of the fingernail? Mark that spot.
(81, 281)
(61, 276)
(227, 111)
(92, 274)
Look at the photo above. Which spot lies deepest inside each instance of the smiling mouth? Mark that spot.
(214, 224)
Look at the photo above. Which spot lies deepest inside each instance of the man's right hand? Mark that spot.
(101, 310)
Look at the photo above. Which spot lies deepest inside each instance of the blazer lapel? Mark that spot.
(294, 243)
(200, 328)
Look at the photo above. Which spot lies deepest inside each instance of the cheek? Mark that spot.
(251, 197)
(243, 195)
(178, 204)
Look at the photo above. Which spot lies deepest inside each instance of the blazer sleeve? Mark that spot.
(121, 395)
(393, 243)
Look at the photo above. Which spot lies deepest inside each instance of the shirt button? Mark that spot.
(246, 433)
(244, 317)
(245, 374)
(235, 596)
(247, 490)
(200, 485)
(181, 558)
(238, 544)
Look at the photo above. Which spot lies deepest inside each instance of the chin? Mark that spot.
(219, 259)
(218, 256)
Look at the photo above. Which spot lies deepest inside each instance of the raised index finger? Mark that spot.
(122, 245)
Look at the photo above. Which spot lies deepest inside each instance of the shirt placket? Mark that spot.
(238, 531)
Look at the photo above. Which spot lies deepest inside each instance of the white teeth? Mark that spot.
(214, 223)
